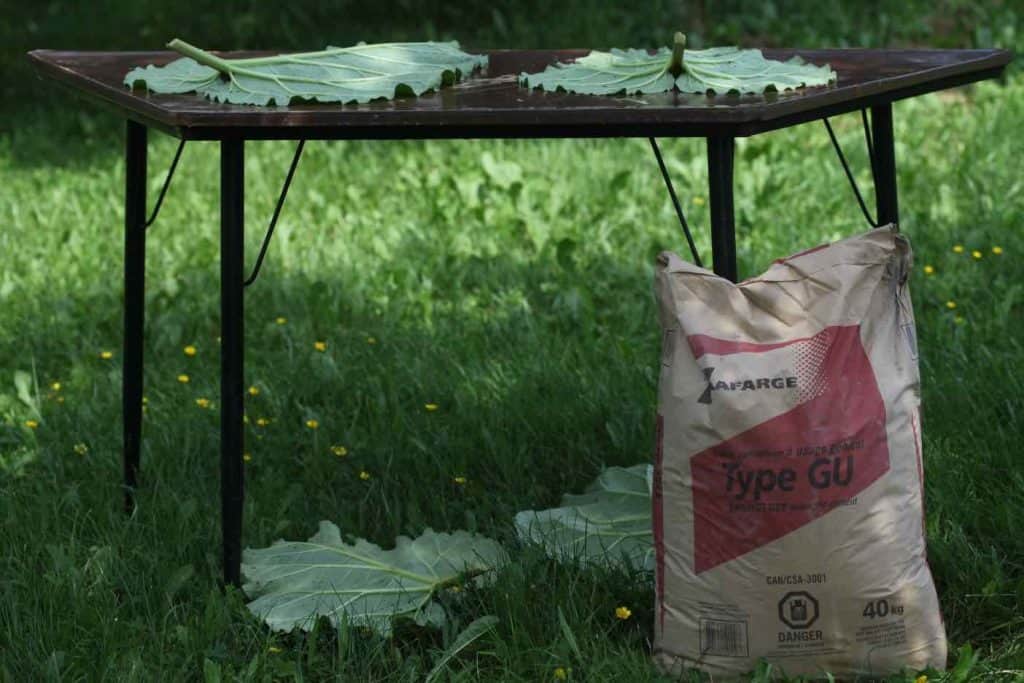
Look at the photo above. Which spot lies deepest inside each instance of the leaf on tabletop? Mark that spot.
(610, 523)
(360, 73)
(730, 69)
(717, 70)
(294, 582)
(607, 73)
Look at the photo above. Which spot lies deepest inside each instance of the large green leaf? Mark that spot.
(294, 582)
(717, 70)
(607, 73)
(730, 69)
(610, 523)
(338, 74)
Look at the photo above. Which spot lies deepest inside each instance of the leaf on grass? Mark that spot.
(24, 386)
(610, 523)
(718, 70)
(338, 74)
(294, 582)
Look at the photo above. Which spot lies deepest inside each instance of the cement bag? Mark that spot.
(788, 517)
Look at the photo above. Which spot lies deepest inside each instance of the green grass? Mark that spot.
(523, 309)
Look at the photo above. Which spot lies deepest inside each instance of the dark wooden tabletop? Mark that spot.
(492, 104)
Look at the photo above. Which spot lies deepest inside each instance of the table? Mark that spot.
(488, 105)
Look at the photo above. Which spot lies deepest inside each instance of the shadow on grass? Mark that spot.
(536, 390)
(535, 393)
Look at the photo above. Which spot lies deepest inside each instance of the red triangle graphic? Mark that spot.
(790, 470)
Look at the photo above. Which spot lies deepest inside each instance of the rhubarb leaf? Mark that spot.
(730, 69)
(609, 524)
(295, 582)
(607, 73)
(360, 73)
(717, 70)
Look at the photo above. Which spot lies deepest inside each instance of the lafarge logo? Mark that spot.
(749, 384)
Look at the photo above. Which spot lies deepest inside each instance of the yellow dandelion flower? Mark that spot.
(254, 390)
(699, 201)
(921, 679)
(31, 424)
(339, 451)
(262, 421)
(958, 248)
(997, 250)
(976, 254)
(929, 270)
(371, 340)
(320, 346)
(281, 320)
(80, 449)
(364, 475)
(431, 407)
(56, 386)
(622, 612)
(246, 457)
(459, 480)
(561, 673)
(951, 304)
(273, 649)
(106, 355)
(190, 350)
(312, 424)
(183, 379)
(203, 402)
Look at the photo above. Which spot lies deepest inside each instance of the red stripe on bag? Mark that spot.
(701, 344)
(786, 472)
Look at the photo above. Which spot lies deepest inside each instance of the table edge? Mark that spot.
(991, 63)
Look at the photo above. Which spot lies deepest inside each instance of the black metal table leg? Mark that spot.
(232, 349)
(723, 219)
(134, 303)
(885, 164)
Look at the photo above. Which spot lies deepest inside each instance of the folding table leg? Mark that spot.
(723, 220)
(232, 349)
(134, 304)
(885, 164)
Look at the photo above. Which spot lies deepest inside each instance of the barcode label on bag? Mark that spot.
(723, 638)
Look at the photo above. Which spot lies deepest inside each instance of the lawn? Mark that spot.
(507, 283)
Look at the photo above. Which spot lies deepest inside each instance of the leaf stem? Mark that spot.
(675, 64)
(462, 578)
(356, 49)
(200, 55)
